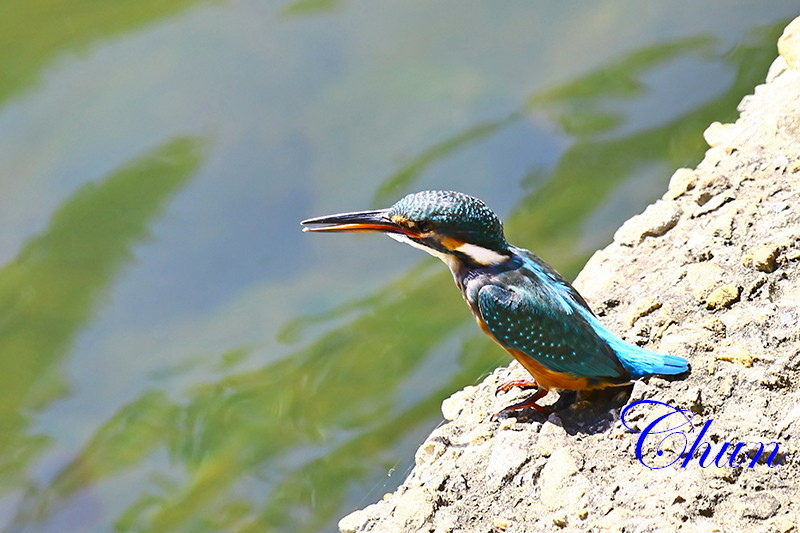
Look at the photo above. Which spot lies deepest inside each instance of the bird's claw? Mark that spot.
(524, 404)
(521, 383)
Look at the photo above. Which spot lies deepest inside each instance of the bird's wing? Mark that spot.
(524, 319)
(541, 267)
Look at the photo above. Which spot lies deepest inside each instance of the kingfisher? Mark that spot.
(518, 300)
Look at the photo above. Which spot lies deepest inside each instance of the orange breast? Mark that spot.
(550, 380)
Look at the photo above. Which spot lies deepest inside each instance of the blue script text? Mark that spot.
(676, 426)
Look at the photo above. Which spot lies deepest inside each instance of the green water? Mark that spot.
(175, 355)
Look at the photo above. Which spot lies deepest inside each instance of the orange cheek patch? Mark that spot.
(451, 243)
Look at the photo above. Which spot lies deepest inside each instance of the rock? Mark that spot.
(682, 181)
(786, 524)
(656, 220)
(736, 354)
(414, 508)
(789, 420)
(555, 475)
(777, 68)
(759, 506)
(500, 524)
(429, 452)
(456, 403)
(762, 257)
(724, 296)
(551, 437)
(718, 134)
(643, 308)
(789, 44)
(723, 226)
(693, 399)
(713, 204)
(700, 248)
(355, 520)
(703, 278)
(509, 453)
(716, 326)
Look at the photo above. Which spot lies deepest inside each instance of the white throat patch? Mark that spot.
(482, 256)
(479, 254)
(399, 237)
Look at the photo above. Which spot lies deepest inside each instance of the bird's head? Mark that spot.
(450, 225)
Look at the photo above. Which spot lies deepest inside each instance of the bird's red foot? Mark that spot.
(521, 383)
(524, 404)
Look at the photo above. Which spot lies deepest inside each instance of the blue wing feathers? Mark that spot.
(524, 320)
(535, 311)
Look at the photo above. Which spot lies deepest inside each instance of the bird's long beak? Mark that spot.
(358, 221)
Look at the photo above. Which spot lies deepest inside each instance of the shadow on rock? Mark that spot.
(585, 412)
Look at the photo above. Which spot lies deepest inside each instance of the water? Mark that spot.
(175, 355)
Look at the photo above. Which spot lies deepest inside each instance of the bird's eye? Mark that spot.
(423, 226)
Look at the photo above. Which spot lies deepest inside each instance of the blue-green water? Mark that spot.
(175, 355)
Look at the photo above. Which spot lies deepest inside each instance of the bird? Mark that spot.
(517, 299)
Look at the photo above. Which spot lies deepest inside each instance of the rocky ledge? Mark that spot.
(711, 272)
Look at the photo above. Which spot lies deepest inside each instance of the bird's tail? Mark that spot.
(641, 362)
(637, 360)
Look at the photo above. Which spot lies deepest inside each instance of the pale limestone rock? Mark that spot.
(414, 508)
(777, 68)
(724, 296)
(762, 257)
(557, 488)
(429, 452)
(760, 506)
(551, 437)
(509, 453)
(452, 406)
(712, 204)
(355, 520)
(718, 134)
(736, 354)
(683, 180)
(789, 44)
(703, 278)
(643, 308)
(723, 226)
(656, 220)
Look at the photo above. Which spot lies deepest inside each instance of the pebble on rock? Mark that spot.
(762, 257)
(724, 296)
(682, 181)
(643, 308)
(737, 355)
(452, 406)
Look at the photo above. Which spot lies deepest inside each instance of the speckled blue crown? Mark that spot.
(456, 215)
